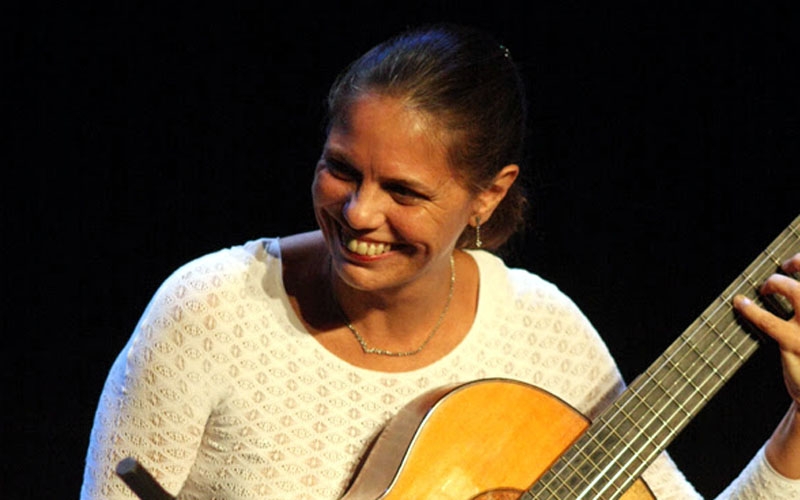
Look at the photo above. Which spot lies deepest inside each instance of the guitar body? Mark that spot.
(485, 440)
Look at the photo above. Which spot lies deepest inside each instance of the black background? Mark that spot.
(665, 142)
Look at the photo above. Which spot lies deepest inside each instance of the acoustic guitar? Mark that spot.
(456, 442)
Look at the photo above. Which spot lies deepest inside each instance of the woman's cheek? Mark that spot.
(330, 195)
(322, 188)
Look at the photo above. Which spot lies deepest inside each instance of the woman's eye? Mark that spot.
(405, 194)
(340, 170)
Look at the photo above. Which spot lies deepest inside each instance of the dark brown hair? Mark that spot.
(467, 81)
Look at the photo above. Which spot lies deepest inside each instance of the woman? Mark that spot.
(265, 370)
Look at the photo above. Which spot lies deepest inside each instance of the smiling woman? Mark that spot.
(266, 370)
(469, 98)
(392, 209)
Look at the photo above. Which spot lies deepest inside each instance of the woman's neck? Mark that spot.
(397, 319)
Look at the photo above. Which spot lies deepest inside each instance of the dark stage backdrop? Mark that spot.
(664, 156)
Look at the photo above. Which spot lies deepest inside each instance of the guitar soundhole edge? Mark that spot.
(501, 494)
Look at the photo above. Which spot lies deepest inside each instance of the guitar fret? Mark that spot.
(617, 441)
(727, 343)
(600, 455)
(754, 283)
(775, 260)
(688, 386)
(622, 446)
(717, 358)
(579, 472)
(703, 354)
(655, 419)
(664, 393)
(686, 377)
(702, 357)
(619, 485)
(661, 421)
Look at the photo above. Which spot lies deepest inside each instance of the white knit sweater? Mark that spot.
(222, 393)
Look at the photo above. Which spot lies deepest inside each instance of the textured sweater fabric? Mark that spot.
(221, 392)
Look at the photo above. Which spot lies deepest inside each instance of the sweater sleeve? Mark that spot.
(759, 481)
(150, 407)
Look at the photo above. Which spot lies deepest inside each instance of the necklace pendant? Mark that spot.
(383, 352)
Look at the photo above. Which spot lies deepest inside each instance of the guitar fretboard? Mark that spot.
(630, 433)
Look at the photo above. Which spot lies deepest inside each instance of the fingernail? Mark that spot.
(741, 301)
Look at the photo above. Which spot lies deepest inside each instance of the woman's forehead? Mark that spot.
(391, 124)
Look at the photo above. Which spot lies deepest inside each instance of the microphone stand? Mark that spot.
(141, 481)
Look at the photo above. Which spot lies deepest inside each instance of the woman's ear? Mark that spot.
(487, 200)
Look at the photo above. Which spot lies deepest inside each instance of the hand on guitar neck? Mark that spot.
(783, 448)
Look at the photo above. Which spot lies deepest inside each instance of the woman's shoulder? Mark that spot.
(495, 273)
(226, 268)
(248, 262)
(234, 258)
(505, 285)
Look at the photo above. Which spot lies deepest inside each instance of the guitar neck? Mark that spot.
(635, 429)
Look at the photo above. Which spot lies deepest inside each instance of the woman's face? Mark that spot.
(386, 198)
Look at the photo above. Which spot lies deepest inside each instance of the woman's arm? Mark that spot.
(783, 448)
(155, 401)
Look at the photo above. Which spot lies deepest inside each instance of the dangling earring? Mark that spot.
(478, 242)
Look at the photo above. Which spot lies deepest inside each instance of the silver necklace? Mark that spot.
(383, 352)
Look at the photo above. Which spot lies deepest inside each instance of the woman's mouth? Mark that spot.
(367, 248)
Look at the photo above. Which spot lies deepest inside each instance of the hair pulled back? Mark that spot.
(467, 82)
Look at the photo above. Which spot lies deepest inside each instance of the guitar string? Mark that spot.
(590, 487)
(642, 401)
(696, 364)
(622, 441)
(668, 408)
(703, 377)
(667, 419)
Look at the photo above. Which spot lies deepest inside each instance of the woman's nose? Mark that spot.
(364, 209)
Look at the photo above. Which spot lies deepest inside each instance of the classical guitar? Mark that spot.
(458, 442)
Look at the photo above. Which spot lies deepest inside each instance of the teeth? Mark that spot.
(364, 248)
